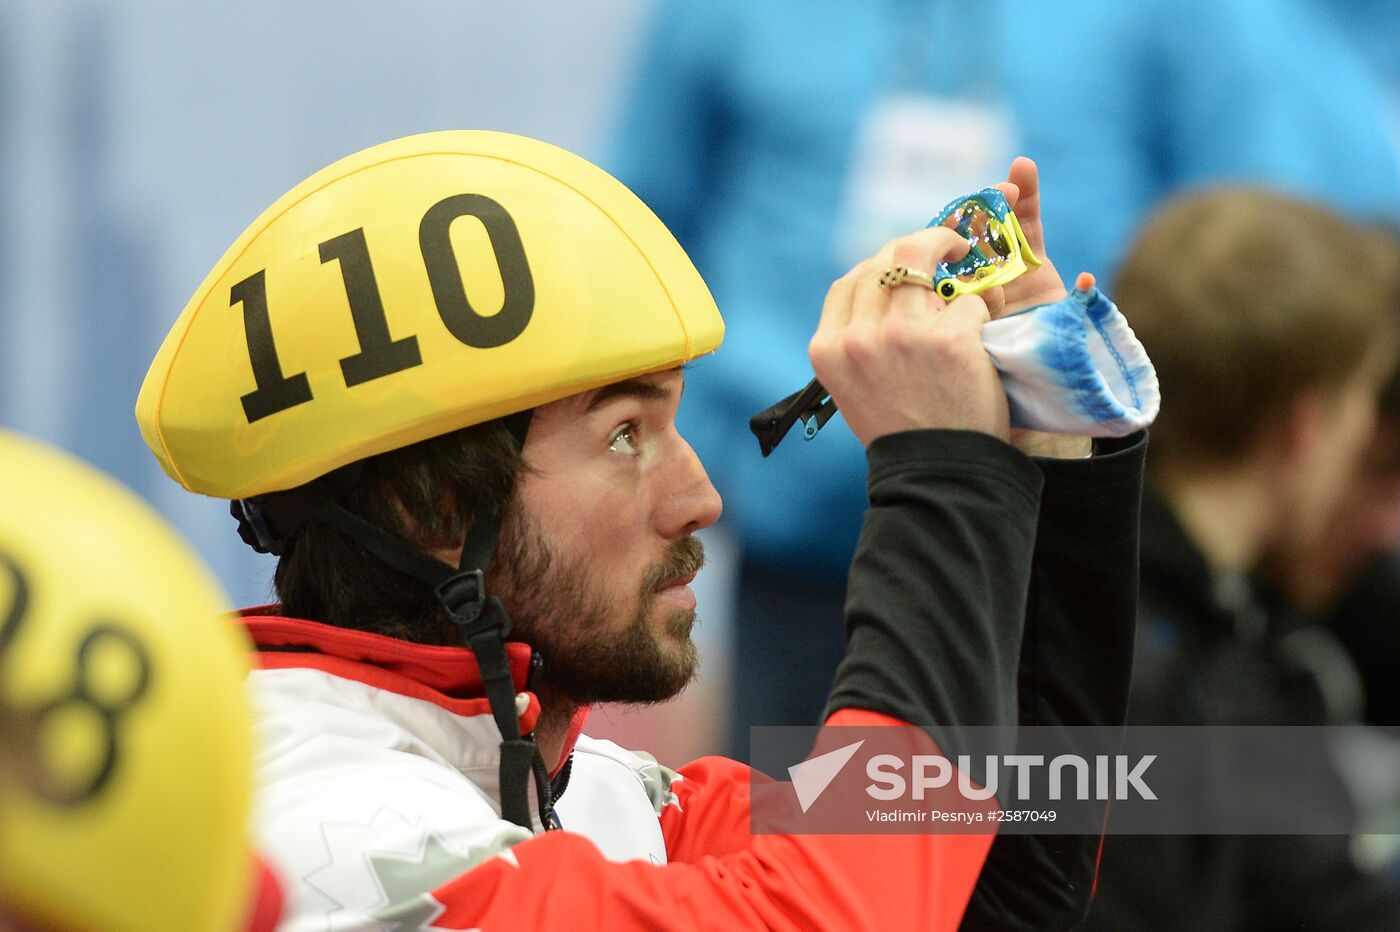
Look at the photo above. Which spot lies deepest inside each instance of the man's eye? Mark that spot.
(624, 440)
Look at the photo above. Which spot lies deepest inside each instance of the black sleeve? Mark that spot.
(937, 592)
(1075, 665)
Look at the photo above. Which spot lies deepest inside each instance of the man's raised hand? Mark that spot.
(901, 359)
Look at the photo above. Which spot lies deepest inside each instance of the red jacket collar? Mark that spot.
(446, 676)
(450, 671)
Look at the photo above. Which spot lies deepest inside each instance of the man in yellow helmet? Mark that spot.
(125, 745)
(439, 380)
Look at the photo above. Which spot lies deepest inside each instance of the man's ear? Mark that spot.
(442, 533)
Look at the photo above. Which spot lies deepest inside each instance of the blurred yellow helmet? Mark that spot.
(125, 764)
(414, 288)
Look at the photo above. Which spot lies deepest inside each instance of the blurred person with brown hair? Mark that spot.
(1273, 327)
(1349, 579)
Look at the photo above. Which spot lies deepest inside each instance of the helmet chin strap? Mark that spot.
(483, 624)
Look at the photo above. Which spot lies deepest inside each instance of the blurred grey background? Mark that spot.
(138, 139)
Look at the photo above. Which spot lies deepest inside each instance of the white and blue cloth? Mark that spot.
(1074, 367)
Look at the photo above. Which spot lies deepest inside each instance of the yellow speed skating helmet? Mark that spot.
(414, 288)
(125, 763)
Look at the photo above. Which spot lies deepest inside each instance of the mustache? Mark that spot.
(683, 557)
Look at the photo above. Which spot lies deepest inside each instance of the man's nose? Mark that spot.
(691, 501)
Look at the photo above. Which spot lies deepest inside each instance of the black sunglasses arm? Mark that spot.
(812, 406)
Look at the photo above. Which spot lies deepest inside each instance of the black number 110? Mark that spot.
(380, 354)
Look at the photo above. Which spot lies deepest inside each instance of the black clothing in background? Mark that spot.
(1367, 621)
(1210, 652)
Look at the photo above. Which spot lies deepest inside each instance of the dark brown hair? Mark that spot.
(425, 493)
(1246, 298)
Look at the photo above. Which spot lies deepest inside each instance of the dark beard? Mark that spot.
(553, 608)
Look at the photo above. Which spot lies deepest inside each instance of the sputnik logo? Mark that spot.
(811, 777)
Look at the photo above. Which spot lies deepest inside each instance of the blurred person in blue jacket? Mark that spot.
(1169, 95)
(781, 140)
(1373, 30)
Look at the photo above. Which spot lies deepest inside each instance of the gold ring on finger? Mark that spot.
(897, 275)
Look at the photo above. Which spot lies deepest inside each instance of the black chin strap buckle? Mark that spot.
(269, 523)
(463, 594)
(253, 526)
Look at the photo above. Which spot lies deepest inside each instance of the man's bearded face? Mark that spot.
(597, 647)
(598, 547)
